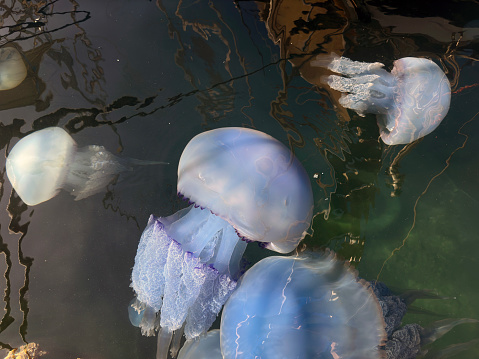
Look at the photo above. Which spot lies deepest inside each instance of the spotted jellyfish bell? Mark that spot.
(44, 162)
(410, 101)
(243, 184)
(12, 68)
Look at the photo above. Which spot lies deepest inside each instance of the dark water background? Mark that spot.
(142, 78)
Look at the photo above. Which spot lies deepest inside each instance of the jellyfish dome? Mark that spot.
(44, 162)
(307, 306)
(243, 185)
(205, 347)
(12, 68)
(410, 101)
(313, 306)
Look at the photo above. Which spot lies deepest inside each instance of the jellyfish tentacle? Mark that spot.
(410, 296)
(148, 323)
(451, 350)
(441, 327)
(163, 343)
(91, 170)
(404, 343)
(189, 281)
(137, 162)
(176, 340)
(345, 66)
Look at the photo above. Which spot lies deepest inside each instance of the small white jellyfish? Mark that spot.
(410, 101)
(44, 162)
(12, 68)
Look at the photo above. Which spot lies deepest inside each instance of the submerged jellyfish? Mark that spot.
(12, 68)
(314, 306)
(410, 101)
(44, 162)
(206, 347)
(244, 185)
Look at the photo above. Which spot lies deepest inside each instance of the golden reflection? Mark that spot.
(303, 29)
(393, 169)
(28, 351)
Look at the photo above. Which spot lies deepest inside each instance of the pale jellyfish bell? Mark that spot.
(410, 101)
(44, 162)
(313, 306)
(308, 306)
(244, 185)
(12, 68)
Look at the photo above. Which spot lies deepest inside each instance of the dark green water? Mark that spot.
(142, 78)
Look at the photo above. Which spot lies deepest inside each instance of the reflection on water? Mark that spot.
(141, 79)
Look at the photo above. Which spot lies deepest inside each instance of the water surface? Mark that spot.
(142, 78)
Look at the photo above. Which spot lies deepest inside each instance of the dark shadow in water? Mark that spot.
(38, 14)
(15, 209)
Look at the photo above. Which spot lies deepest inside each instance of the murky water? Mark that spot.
(142, 78)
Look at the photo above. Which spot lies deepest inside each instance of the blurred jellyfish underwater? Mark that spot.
(12, 68)
(205, 347)
(243, 185)
(313, 305)
(44, 162)
(410, 102)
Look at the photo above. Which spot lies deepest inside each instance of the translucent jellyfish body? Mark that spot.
(311, 306)
(12, 68)
(243, 184)
(410, 101)
(206, 347)
(44, 162)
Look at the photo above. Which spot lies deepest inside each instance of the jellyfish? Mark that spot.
(410, 101)
(312, 306)
(309, 306)
(205, 347)
(12, 68)
(44, 162)
(242, 185)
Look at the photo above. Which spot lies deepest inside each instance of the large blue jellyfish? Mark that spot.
(44, 162)
(244, 185)
(410, 101)
(313, 306)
